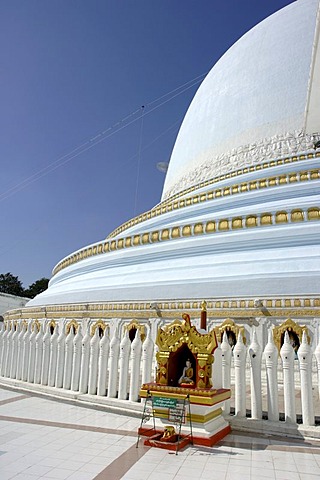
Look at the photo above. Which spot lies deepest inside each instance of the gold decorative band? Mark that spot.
(200, 228)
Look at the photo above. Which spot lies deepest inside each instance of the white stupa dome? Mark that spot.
(240, 211)
(261, 96)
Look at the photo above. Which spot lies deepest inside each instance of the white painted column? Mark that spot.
(25, 361)
(61, 355)
(4, 349)
(14, 351)
(226, 355)
(239, 356)
(9, 349)
(45, 355)
(93, 363)
(125, 347)
(114, 363)
(255, 354)
(147, 357)
(216, 377)
(305, 361)
(67, 372)
(2, 330)
(271, 358)
(20, 351)
(76, 362)
(53, 357)
(317, 355)
(85, 356)
(135, 361)
(287, 356)
(32, 354)
(38, 356)
(103, 363)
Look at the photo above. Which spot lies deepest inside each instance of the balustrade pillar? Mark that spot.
(103, 363)
(85, 356)
(305, 362)
(317, 355)
(226, 355)
(38, 355)
(20, 351)
(271, 358)
(135, 360)
(67, 371)
(4, 349)
(93, 364)
(60, 356)
(113, 368)
(287, 356)
(9, 350)
(14, 352)
(45, 355)
(125, 347)
(147, 357)
(53, 357)
(32, 354)
(239, 356)
(25, 360)
(216, 377)
(255, 354)
(76, 363)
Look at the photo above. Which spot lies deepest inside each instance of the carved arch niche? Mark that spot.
(72, 324)
(101, 325)
(179, 342)
(133, 327)
(295, 332)
(232, 330)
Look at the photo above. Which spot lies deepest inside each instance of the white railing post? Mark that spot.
(32, 354)
(125, 347)
(147, 357)
(25, 361)
(14, 354)
(93, 363)
(20, 351)
(85, 356)
(53, 357)
(38, 355)
(305, 362)
(135, 361)
(103, 363)
(255, 354)
(239, 356)
(9, 350)
(4, 349)
(216, 377)
(271, 358)
(45, 355)
(67, 372)
(60, 356)
(76, 362)
(114, 362)
(226, 355)
(2, 331)
(287, 356)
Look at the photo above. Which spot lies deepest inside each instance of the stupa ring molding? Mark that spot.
(253, 220)
(238, 188)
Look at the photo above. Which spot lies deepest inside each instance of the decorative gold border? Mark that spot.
(289, 325)
(173, 203)
(213, 226)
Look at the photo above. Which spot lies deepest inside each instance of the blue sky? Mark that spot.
(70, 70)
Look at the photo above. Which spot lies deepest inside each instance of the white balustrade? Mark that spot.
(32, 353)
(53, 357)
(317, 355)
(93, 363)
(45, 355)
(226, 356)
(38, 354)
(13, 360)
(20, 351)
(9, 350)
(147, 357)
(135, 364)
(103, 363)
(60, 356)
(255, 354)
(4, 349)
(239, 357)
(67, 371)
(85, 356)
(76, 361)
(287, 357)
(113, 362)
(25, 360)
(305, 361)
(125, 347)
(216, 376)
(271, 358)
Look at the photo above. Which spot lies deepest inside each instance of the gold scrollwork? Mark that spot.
(99, 324)
(230, 326)
(290, 326)
(134, 325)
(73, 324)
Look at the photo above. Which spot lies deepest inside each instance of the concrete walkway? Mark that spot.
(41, 438)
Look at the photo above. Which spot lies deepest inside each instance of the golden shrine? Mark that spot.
(184, 371)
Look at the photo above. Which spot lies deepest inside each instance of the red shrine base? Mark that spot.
(155, 435)
(155, 441)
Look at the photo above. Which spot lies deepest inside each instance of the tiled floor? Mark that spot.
(41, 438)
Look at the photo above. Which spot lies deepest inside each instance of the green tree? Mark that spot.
(37, 287)
(10, 284)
